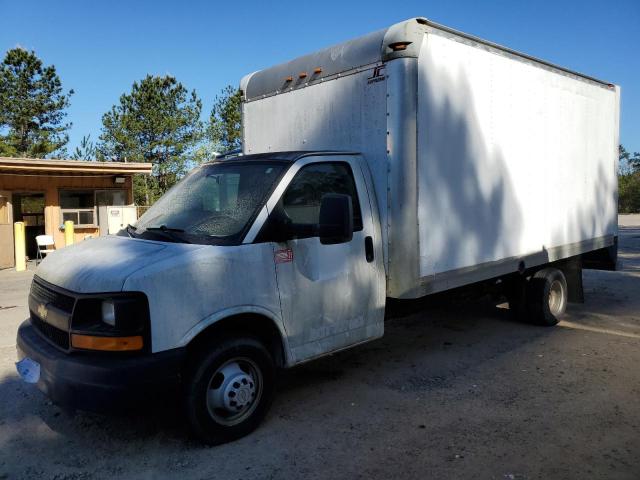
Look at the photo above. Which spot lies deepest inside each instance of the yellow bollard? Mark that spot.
(68, 232)
(20, 247)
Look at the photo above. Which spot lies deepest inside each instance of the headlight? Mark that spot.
(109, 313)
(117, 321)
(126, 313)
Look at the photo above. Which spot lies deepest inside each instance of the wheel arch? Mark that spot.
(254, 321)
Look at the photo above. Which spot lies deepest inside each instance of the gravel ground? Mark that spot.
(454, 391)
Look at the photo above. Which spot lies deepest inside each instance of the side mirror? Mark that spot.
(336, 219)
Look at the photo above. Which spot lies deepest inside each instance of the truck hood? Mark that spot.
(103, 264)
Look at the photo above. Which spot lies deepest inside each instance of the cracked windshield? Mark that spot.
(214, 202)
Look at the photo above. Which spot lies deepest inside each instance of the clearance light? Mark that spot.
(302, 75)
(288, 79)
(112, 344)
(317, 70)
(398, 46)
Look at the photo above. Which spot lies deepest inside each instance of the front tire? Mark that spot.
(229, 389)
(547, 296)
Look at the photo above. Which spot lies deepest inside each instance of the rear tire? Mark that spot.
(229, 389)
(547, 296)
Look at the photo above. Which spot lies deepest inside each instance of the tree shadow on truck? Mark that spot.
(469, 213)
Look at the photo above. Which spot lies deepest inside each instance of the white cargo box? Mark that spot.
(484, 160)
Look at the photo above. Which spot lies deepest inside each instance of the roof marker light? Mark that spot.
(302, 75)
(317, 70)
(398, 46)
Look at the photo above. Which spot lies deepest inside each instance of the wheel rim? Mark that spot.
(234, 391)
(556, 297)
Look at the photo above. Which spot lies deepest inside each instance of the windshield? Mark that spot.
(213, 204)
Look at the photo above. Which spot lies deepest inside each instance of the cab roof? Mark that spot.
(288, 157)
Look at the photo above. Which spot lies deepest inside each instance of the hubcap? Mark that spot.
(556, 297)
(234, 391)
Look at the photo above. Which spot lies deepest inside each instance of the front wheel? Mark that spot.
(229, 390)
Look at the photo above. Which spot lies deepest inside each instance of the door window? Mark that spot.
(301, 201)
(29, 208)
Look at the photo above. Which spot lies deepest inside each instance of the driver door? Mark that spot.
(332, 296)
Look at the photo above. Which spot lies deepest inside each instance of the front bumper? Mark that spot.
(98, 381)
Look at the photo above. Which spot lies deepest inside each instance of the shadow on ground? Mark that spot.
(420, 353)
(454, 388)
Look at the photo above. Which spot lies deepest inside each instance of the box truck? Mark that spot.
(413, 160)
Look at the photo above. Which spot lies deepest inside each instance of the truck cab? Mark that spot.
(246, 265)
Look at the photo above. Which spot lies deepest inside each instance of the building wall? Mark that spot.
(50, 186)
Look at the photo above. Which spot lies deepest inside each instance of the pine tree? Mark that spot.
(32, 107)
(157, 122)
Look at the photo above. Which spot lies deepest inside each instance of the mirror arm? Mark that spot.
(303, 230)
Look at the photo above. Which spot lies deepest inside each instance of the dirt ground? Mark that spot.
(455, 391)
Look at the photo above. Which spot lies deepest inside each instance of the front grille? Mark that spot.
(55, 335)
(46, 295)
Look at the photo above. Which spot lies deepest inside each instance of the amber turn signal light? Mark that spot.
(107, 344)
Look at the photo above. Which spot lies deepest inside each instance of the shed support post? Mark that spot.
(68, 233)
(20, 246)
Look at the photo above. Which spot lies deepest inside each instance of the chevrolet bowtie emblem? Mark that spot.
(42, 311)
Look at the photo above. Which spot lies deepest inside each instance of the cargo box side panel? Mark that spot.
(347, 114)
(514, 159)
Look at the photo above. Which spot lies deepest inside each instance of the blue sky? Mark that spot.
(100, 48)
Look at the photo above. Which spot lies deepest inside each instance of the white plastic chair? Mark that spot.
(44, 241)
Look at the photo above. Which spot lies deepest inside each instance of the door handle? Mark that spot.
(368, 249)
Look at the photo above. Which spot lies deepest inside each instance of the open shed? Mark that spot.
(45, 193)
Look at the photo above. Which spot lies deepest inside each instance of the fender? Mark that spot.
(240, 309)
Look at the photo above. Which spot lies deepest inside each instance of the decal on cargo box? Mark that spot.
(283, 256)
(377, 75)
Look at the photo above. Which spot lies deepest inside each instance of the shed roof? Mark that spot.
(42, 166)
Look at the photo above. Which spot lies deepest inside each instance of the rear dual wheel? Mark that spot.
(547, 296)
(542, 299)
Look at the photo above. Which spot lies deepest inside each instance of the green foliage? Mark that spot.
(628, 162)
(86, 150)
(628, 182)
(32, 107)
(629, 193)
(224, 130)
(158, 122)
